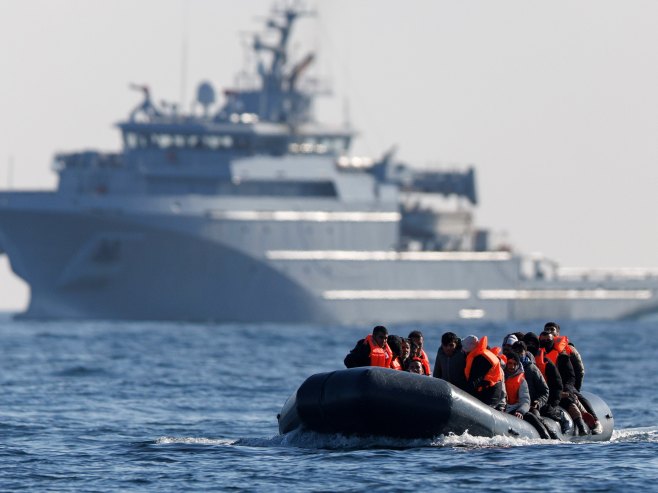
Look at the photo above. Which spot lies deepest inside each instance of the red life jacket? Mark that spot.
(495, 374)
(512, 385)
(540, 361)
(395, 364)
(379, 356)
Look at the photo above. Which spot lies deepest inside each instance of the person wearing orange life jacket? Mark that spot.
(371, 351)
(553, 379)
(558, 355)
(574, 355)
(518, 395)
(400, 351)
(416, 366)
(561, 341)
(483, 373)
(416, 338)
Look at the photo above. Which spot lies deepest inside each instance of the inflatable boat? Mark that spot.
(372, 401)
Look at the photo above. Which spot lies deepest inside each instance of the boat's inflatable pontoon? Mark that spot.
(380, 401)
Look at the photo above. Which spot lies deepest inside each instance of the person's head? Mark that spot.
(532, 342)
(512, 364)
(405, 348)
(379, 335)
(415, 366)
(416, 336)
(509, 340)
(449, 343)
(552, 327)
(546, 340)
(395, 343)
(519, 347)
(469, 343)
(519, 335)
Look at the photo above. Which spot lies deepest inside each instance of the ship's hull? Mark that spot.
(111, 264)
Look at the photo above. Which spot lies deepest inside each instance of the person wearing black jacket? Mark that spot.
(552, 377)
(574, 355)
(569, 399)
(450, 361)
(361, 354)
(579, 370)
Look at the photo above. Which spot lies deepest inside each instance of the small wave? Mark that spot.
(644, 434)
(193, 441)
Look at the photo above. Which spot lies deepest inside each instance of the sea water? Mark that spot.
(146, 406)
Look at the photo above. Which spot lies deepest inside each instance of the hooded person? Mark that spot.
(483, 372)
(518, 395)
(537, 388)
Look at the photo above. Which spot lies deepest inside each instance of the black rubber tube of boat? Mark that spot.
(380, 401)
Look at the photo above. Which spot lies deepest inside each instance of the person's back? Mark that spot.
(484, 379)
(450, 361)
(371, 351)
(395, 343)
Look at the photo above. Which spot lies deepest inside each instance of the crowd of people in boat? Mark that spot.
(529, 376)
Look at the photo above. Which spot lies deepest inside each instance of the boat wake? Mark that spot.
(647, 434)
(314, 440)
(193, 441)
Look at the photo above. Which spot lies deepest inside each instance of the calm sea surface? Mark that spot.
(107, 406)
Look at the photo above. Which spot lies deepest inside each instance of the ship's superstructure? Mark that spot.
(255, 212)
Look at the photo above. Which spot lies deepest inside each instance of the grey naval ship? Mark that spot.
(253, 211)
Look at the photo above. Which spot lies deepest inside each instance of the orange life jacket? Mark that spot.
(512, 385)
(379, 356)
(498, 351)
(495, 374)
(563, 342)
(395, 364)
(559, 346)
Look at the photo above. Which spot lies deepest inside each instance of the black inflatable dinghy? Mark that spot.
(371, 401)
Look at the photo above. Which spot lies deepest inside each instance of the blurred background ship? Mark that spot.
(253, 211)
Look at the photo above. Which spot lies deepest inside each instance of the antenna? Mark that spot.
(184, 47)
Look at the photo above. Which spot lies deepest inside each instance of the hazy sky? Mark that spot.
(555, 102)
